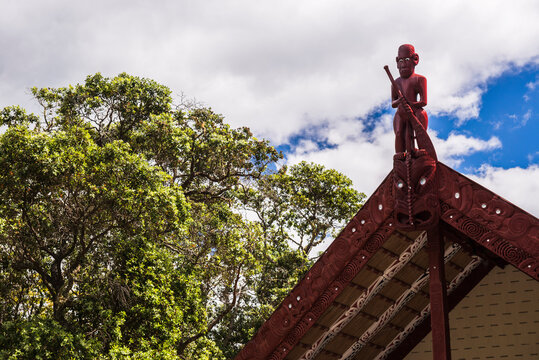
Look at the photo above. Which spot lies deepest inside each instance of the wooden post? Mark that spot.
(441, 348)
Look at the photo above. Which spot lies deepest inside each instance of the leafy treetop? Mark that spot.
(131, 227)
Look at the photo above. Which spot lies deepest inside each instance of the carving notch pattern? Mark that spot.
(366, 296)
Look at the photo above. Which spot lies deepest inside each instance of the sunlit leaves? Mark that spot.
(131, 228)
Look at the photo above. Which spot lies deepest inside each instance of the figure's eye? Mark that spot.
(407, 59)
(401, 60)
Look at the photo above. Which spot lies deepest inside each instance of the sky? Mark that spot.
(308, 75)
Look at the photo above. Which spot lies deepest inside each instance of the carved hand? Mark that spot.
(404, 108)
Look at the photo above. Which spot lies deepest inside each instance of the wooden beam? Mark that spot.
(390, 313)
(366, 296)
(419, 320)
(439, 318)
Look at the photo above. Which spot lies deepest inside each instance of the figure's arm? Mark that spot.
(422, 92)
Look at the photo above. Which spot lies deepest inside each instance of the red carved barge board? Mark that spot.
(484, 225)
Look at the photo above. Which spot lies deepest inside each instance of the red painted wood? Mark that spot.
(492, 222)
(441, 348)
(470, 209)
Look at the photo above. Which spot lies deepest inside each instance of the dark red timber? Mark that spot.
(439, 317)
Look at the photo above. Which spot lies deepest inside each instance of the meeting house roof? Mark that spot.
(372, 293)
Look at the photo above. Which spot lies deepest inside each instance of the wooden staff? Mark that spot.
(395, 86)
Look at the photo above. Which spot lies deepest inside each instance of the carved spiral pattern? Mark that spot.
(452, 215)
(517, 238)
(489, 239)
(514, 239)
(510, 253)
(279, 324)
(518, 225)
(350, 271)
(374, 242)
(530, 266)
(471, 228)
(479, 216)
(445, 207)
(501, 208)
(341, 249)
(300, 329)
(323, 302)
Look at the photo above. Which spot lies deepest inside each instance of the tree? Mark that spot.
(297, 208)
(304, 205)
(123, 231)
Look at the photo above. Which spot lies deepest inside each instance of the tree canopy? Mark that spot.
(135, 228)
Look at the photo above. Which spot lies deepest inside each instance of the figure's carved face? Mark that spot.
(407, 59)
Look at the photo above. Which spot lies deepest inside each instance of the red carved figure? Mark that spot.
(416, 205)
(410, 97)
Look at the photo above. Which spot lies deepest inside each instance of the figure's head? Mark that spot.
(407, 59)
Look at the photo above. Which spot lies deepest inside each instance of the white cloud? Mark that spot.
(366, 155)
(532, 156)
(532, 85)
(365, 159)
(453, 149)
(517, 185)
(526, 117)
(520, 121)
(276, 66)
(463, 107)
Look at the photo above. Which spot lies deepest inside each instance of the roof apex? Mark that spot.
(475, 212)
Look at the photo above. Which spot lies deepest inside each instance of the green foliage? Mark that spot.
(124, 226)
(320, 201)
(42, 338)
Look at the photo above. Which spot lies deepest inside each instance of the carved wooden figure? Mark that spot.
(416, 201)
(415, 184)
(409, 96)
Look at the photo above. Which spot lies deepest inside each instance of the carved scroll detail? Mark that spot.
(489, 220)
(508, 249)
(485, 212)
(366, 296)
(394, 309)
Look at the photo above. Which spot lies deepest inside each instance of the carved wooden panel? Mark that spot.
(491, 221)
(415, 185)
(366, 296)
